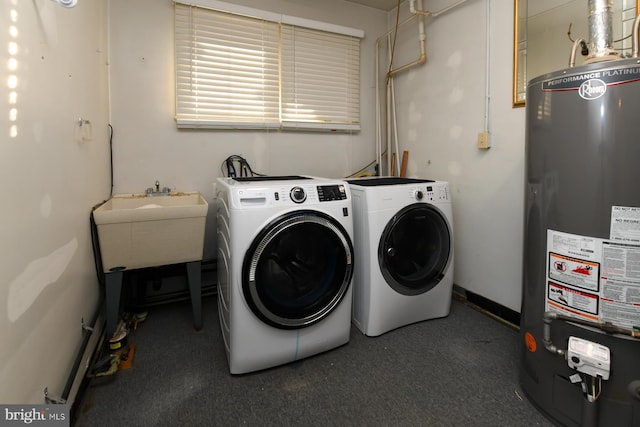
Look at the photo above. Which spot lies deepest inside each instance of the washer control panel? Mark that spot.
(290, 195)
(431, 193)
(329, 193)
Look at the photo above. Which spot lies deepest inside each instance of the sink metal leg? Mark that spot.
(113, 288)
(194, 276)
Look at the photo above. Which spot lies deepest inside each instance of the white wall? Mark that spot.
(50, 181)
(147, 145)
(441, 108)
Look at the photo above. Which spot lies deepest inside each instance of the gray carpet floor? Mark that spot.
(461, 370)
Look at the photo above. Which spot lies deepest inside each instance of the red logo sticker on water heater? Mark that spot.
(530, 342)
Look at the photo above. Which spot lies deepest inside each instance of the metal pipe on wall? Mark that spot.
(427, 13)
(422, 58)
(634, 36)
(421, 39)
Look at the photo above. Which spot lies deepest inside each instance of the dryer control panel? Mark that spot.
(431, 193)
(437, 193)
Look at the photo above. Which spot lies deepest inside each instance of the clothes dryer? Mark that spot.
(403, 241)
(285, 264)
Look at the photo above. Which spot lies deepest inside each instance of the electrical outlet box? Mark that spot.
(483, 140)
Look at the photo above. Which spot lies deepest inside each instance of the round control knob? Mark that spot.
(298, 195)
(419, 195)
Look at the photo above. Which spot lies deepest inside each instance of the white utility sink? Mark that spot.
(137, 231)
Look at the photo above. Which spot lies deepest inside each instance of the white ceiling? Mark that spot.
(385, 5)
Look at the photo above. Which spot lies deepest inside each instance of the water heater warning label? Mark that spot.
(593, 279)
(572, 271)
(625, 224)
(570, 299)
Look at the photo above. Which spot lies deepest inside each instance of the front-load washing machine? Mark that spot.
(285, 264)
(403, 241)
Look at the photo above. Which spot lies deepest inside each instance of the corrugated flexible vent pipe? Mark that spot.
(601, 31)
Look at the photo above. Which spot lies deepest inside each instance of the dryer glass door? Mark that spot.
(298, 269)
(415, 249)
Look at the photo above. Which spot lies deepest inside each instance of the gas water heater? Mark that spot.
(580, 317)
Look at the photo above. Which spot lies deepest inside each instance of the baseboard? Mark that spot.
(88, 353)
(504, 314)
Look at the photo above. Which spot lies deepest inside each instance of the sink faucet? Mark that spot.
(156, 191)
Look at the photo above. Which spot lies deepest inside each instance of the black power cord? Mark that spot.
(237, 166)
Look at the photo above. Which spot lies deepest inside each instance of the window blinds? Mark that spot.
(227, 69)
(320, 79)
(237, 71)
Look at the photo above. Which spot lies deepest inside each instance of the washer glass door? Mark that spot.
(415, 248)
(298, 269)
